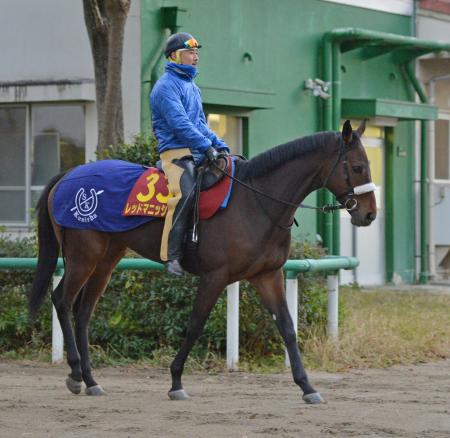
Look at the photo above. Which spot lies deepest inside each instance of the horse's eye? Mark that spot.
(357, 169)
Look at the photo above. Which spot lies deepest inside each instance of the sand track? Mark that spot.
(402, 401)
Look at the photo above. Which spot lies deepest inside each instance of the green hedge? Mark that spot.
(142, 312)
(145, 311)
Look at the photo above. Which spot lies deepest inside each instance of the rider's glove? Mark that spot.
(224, 152)
(212, 154)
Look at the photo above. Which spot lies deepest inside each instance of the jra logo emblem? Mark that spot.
(85, 206)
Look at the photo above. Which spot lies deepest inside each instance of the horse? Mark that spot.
(249, 240)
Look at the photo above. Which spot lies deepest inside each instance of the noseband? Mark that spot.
(347, 199)
(351, 203)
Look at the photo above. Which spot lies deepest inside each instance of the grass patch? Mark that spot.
(43, 354)
(382, 328)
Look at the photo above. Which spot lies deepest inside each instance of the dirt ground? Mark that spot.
(402, 401)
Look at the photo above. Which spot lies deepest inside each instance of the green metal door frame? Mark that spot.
(404, 49)
(389, 158)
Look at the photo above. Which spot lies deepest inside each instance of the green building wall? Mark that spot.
(255, 58)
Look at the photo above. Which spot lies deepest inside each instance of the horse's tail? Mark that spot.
(48, 251)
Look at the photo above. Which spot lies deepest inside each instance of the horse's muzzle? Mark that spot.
(371, 216)
(361, 220)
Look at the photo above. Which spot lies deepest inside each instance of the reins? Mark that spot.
(350, 204)
(327, 208)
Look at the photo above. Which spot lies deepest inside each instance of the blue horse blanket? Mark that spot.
(92, 196)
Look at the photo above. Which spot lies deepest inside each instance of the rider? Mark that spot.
(184, 139)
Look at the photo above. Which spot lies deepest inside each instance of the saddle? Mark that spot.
(208, 175)
(150, 193)
(211, 174)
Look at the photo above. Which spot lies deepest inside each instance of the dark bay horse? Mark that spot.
(249, 240)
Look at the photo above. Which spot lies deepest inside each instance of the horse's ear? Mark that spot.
(347, 132)
(361, 128)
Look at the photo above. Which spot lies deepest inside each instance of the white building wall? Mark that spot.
(433, 26)
(43, 40)
(46, 41)
(436, 26)
(401, 7)
(131, 72)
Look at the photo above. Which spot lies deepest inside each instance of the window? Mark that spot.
(13, 134)
(442, 153)
(229, 129)
(56, 143)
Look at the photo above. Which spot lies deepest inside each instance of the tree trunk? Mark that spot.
(105, 23)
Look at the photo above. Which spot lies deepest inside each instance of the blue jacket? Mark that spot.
(177, 115)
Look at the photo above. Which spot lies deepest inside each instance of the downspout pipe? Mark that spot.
(336, 121)
(149, 77)
(326, 197)
(424, 260)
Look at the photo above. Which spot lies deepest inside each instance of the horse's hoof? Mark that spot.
(95, 390)
(179, 394)
(74, 386)
(313, 399)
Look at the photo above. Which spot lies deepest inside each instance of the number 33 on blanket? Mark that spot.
(149, 195)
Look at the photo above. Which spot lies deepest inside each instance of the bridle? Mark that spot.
(350, 203)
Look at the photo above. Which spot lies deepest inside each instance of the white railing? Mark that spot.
(232, 318)
(331, 264)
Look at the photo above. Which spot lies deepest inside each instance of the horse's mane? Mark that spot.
(276, 156)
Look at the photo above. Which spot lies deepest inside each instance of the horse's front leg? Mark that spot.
(270, 285)
(210, 287)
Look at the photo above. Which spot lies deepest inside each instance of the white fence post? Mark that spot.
(333, 306)
(292, 302)
(57, 335)
(233, 326)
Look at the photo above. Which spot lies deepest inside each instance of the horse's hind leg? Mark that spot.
(271, 288)
(82, 250)
(92, 291)
(209, 290)
(63, 297)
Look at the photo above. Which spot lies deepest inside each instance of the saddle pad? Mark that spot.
(218, 195)
(95, 195)
(150, 193)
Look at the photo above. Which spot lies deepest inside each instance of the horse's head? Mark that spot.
(349, 176)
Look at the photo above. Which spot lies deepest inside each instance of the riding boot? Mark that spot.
(173, 267)
(181, 216)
